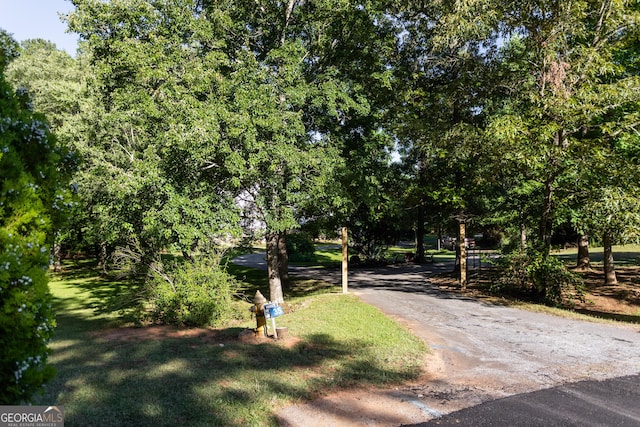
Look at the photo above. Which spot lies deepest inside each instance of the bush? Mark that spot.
(32, 204)
(542, 277)
(198, 293)
(26, 319)
(300, 247)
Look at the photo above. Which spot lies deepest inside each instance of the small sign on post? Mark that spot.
(271, 311)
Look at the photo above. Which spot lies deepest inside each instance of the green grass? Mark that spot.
(622, 255)
(211, 379)
(370, 339)
(332, 257)
(252, 279)
(325, 257)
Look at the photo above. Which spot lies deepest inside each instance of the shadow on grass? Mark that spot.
(161, 376)
(115, 296)
(142, 379)
(628, 318)
(320, 258)
(250, 278)
(83, 289)
(253, 279)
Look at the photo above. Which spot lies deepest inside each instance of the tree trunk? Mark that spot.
(287, 17)
(523, 234)
(583, 253)
(57, 253)
(609, 268)
(345, 260)
(283, 259)
(420, 259)
(187, 256)
(456, 265)
(545, 219)
(273, 268)
(102, 255)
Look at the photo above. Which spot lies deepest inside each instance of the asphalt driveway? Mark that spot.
(483, 352)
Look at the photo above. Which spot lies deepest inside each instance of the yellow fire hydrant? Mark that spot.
(258, 308)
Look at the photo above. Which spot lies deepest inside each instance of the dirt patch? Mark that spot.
(203, 335)
(621, 300)
(351, 408)
(158, 332)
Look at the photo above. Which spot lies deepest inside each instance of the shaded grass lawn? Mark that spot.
(208, 377)
(628, 255)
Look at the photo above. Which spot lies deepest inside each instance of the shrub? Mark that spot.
(541, 277)
(193, 293)
(32, 204)
(300, 247)
(26, 319)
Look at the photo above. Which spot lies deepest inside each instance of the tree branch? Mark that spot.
(287, 17)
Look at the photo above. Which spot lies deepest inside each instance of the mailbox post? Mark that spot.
(271, 311)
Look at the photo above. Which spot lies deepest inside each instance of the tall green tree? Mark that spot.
(319, 75)
(202, 102)
(56, 83)
(32, 203)
(158, 173)
(573, 98)
(283, 165)
(54, 79)
(565, 80)
(441, 115)
(550, 89)
(354, 44)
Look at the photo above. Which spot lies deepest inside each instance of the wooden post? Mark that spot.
(273, 325)
(463, 256)
(345, 261)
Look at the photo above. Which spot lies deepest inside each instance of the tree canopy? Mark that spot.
(190, 116)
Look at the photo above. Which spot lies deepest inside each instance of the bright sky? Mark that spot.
(38, 19)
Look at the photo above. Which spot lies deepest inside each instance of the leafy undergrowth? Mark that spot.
(111, 373)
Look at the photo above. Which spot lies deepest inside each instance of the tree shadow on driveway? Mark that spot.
(407, 277)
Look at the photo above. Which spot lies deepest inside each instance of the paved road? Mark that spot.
(483, 352)
(614, 402)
